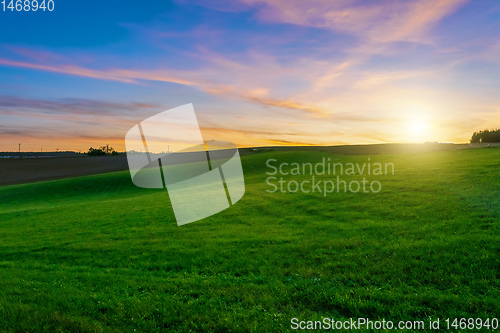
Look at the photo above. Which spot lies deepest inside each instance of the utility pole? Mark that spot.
(19, 148)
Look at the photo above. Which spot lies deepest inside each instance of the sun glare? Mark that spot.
(418, 129)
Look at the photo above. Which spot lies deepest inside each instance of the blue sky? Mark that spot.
(259, 72)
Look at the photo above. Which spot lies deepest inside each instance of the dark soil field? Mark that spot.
(26, 170)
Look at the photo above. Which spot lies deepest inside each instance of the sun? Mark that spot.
(418, 126)
(418, 129)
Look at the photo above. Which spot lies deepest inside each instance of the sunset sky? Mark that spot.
(258, 72)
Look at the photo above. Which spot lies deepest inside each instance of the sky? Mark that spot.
(258, 72)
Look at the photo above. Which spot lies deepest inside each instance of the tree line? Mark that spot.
(102, 151)
(486, 136)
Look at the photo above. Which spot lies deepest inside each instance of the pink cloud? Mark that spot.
(385, 21)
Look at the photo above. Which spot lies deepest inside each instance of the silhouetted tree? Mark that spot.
(102, 150)
(486, 136)
(96, 152)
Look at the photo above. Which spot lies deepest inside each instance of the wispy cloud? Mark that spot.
(203, 81)
(70, 105)
(70, 69)
(382, 21)
(68, 117)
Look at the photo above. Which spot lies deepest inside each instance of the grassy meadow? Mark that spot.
(97, 254)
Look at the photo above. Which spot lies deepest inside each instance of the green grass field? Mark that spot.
(96, 254)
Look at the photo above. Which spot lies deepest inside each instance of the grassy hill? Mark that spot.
(96, 254)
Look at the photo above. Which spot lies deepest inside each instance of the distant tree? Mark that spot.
(102, 151)
(486, 136)
(96, 152)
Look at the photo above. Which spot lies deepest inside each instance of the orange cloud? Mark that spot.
(288, 104)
